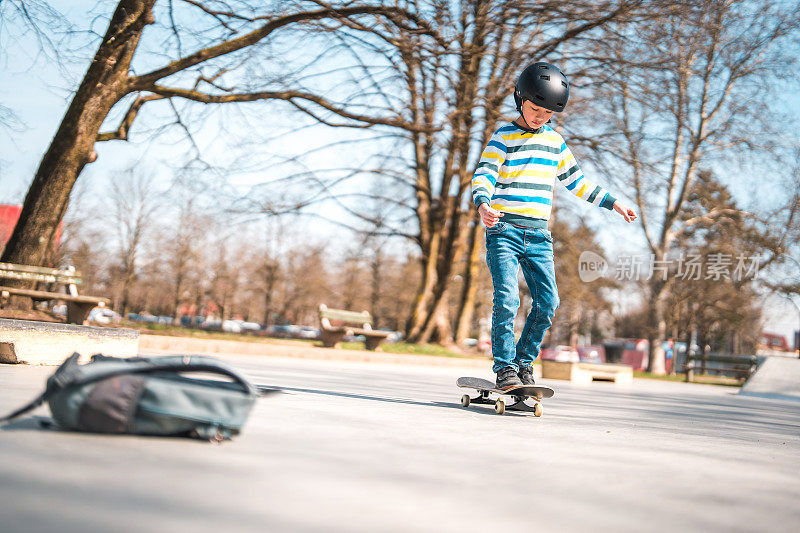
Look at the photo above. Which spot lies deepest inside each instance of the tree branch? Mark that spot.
(121, 133)
(232, 45)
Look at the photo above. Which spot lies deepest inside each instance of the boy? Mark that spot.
(514, 180)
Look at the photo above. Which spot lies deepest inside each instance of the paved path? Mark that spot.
(370, 447)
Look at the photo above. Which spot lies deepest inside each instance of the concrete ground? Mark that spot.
(355, 446)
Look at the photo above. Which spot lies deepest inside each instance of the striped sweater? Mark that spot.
(517, 172)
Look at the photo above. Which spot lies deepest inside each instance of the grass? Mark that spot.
(404, 347)
(399, 347)
(706, 379)
(177, 331)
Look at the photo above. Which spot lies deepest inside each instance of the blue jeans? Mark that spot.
(508, 246)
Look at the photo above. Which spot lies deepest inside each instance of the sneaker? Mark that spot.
(526, 375)
(507, 378)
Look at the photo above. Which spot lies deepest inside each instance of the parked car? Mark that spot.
(284, 331)
(633, 352)
(250, 326)
(212, 325)
(103, 315)
(592, 354)
(308, 332)
(231, 326)
(189, 321)
(561, 353)
(394, 336)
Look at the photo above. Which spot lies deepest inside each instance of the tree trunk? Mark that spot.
(469, 288)
(376, 288)
(449, 244)
(421, 313)
(271, 275)
(657, 311)
(438, 327)
(71, 149)
(126, 293)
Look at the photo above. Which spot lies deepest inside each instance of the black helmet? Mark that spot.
(544, 85)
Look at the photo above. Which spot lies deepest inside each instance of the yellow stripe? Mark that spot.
(492, 155)
(478, 181)
(521, 210)
(515, 136)
(580, 192)
(527, 172)
(540, 137)
(564, 161)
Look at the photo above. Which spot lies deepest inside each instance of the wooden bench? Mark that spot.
(336, 323)
(740, 366)
(78, 307)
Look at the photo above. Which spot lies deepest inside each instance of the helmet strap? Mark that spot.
(527, 126)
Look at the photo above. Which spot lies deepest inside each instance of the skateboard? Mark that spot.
(520, 394)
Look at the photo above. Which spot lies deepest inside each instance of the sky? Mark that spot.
(38, 92)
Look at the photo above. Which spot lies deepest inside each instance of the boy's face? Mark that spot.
(534, 115)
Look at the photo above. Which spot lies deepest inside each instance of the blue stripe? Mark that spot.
(497, 144)
(531, 161)
(491, 179)
(516, 198)
(574, 184)
(509, 127)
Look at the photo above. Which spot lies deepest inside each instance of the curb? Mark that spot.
(163, 343)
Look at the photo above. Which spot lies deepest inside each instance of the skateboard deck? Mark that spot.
(485, 388)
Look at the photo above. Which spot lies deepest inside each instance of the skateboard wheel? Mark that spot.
(465, 400)
(537, 409)
(500, 407)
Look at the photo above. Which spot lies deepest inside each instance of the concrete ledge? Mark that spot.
(587, 372)
(48, 343)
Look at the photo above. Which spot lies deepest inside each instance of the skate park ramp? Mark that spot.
(776, 377)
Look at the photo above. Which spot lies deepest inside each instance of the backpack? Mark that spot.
(147, 396)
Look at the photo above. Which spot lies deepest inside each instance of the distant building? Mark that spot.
(773, 344)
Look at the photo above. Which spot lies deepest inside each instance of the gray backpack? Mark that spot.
(148, 396)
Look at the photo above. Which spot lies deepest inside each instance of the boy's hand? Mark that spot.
(625, 211)
(489, 216)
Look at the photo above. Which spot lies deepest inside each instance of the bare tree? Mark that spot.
(208, 74)
(447, 91)
(134, 202)
(688, 88)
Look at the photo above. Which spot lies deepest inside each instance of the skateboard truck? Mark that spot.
(485, 388)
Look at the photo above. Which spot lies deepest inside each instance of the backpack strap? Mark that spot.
(22, 410)
(81, 375)
(69, 363)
